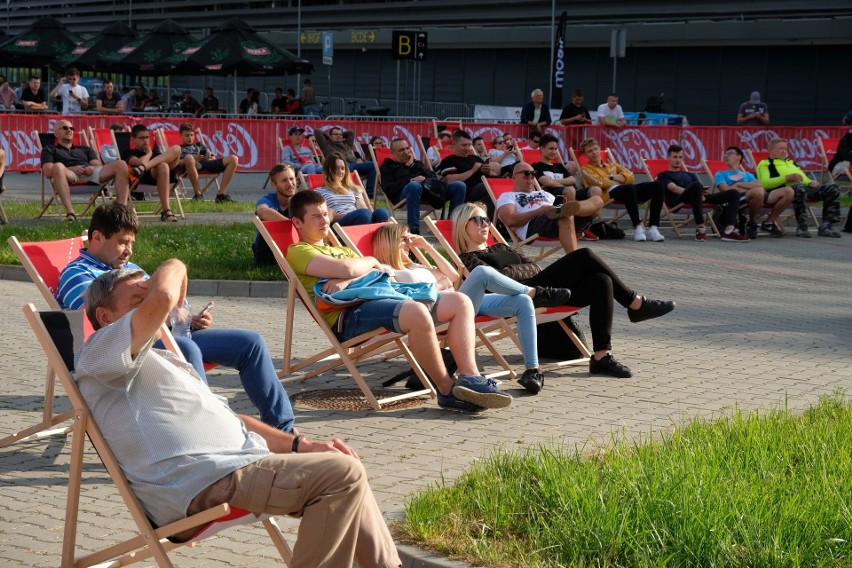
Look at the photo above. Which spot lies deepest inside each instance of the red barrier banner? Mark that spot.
(255, 141)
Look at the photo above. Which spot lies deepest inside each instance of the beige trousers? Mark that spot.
(341, 521)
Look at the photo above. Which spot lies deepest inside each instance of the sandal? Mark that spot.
(168, 217)
(70, 218)
(137, 171)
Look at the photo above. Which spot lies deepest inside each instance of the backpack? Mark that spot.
(554, 344)
(604, 230)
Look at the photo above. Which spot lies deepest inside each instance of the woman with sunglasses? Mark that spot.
(591, 281)
(392, 244)
(345, 201)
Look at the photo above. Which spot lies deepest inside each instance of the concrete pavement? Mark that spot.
(756, 324)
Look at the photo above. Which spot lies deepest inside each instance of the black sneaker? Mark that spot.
(650, 309)
(198, 197)
(751, 231)
(137, 195)
(773, 229)
(609, 366)
(532, 380)
(546, 297)
(223, 198)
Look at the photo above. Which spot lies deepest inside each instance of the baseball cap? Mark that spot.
(755, 97)
(295, 129)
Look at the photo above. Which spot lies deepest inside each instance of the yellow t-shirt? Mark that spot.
(299, 256)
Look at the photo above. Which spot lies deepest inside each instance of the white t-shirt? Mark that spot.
(70, 105)
(611, 115)
(523, 203)
(510, 158)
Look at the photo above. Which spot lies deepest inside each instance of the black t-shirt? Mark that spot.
(29, 95)
(552, 171)
(137, 153)
(109, 102)
(571, 111)
(463, 164)
(73, 156)
(210, 104)
(279, 104)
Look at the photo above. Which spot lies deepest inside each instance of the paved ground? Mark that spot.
(757, 325)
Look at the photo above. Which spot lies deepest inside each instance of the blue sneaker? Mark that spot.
(450, 401)
(481, 391)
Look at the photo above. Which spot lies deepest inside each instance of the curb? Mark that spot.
(212, 288)
(413, 557)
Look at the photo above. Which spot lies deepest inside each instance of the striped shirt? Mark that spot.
(340, 204)
(76, 277)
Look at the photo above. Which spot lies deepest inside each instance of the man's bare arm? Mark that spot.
(280, 442)
(166, 289)
(323, 266)
(510, 216)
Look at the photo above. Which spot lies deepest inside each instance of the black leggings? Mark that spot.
(693, 196)
(632, 195)
(592, 283)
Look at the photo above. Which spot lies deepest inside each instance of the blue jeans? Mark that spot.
(509, 298)
(310, 169)
(364, 217)
(413, 193)
(246, 352)
(368, 170)
(368, 316)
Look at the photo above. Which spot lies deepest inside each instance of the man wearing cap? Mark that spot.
(336, 140)
(300, 157)
(753, 112)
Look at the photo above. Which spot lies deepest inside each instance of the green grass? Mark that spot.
(770, 489)
(220, 251)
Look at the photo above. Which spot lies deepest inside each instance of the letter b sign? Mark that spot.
(409, 45)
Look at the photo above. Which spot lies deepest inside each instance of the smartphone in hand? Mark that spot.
(206, 309)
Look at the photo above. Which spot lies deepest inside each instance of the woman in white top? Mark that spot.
(391, 245)
(345, 199)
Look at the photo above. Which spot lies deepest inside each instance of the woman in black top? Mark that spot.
(591, 281)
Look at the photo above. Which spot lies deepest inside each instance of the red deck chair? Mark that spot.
(279, 235)
(169, 138)
(379, 155)
(443, 230)
(92, 189)
(757, 157)
(360, 239)
(124, 144)
(653, 168)
(828, 148)
(59, 333)
(545, 245)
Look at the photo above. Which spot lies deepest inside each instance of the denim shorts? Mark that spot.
(368, 316)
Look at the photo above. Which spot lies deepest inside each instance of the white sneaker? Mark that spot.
(639, 233)
(654, 235)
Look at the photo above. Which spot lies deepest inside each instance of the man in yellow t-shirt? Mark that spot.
(779, 171)
(313, 260)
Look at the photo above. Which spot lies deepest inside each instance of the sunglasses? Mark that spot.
(481, 221)
(526, 173)
(71, 128)
(499, 142)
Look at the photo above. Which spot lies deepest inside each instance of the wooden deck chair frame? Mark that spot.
(649, 167)
(167, 138)
(712, 166)
(95, 190)
(425, 208)
(543, 315)
(617, 207)
(546, 245)
(756, 158)
(828, 148)
(485, 326)
(45, 428)
(449, 125)
(174, 188)
(151, 541)
(338, 354)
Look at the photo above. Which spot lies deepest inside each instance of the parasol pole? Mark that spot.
(235, 91)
